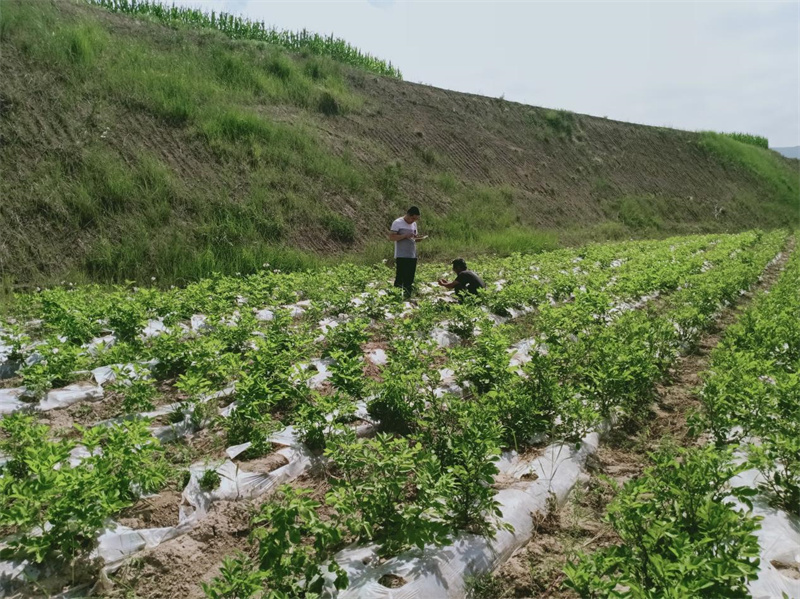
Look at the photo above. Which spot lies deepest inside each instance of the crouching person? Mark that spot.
(466, 281)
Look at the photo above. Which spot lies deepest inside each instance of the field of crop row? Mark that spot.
(719, 519)
(428, 432)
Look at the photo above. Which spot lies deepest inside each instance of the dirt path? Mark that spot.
(536, 570)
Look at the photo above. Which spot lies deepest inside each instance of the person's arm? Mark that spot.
(395, 236)
(457, 283)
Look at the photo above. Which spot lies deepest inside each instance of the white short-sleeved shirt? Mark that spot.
(405, 248)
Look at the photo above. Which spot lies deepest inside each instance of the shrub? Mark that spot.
(291, 568)
(312, 419)
(137, 389)
(340, 227)
(389, 491)
(465, 437)
(328, 105)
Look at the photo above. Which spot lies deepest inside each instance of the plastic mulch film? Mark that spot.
(12, 400)
(153, 328)
(779, 538)
(8, 368)
(444, 338)
(107, 374)
(100, 343)
(117, 542)
(377, 357)
(321, 365)
(440, 572)
(71, 394)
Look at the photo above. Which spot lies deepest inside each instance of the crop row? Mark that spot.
(241, 28)
(218, 346)
(694, 524)
(751, 393)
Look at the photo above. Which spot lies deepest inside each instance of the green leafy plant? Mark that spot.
(137, 389)
(778, 460)
(127, 319)
(624, 361)
(57, 367)
(388, 490)
(347, 337)
(251, 423)
(397, 403)
(55, 508)
(465, 438)
(681, 534)
(210, 480)
(65, 315)
(530, 406)
(127, 457)
(197, 405)
(293, 543)
(750, 390)
(464, 318)
(484, 366)
(172, 352)
(320, 418)
(347, 373)
(238, 578)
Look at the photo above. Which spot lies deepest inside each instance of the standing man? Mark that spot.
(465, 281)
(404, 234)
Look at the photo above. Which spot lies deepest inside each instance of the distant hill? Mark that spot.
(789, 152)
(131, 150)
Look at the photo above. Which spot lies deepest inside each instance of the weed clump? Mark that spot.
(210, 480)
(328, 105)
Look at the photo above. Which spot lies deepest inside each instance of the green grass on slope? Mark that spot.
(134, 217)
(759, 161)
(139, 218)
(236, 173)
(245, 29)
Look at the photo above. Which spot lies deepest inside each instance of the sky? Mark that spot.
(714, 65)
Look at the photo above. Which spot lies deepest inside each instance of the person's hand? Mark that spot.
(442, 282)
(409, 236)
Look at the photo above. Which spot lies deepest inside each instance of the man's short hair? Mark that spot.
(459, 264)
(413, 211)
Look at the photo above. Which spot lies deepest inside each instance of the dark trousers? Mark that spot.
(404, 275)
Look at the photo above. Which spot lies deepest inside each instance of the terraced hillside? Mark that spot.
(131, 149)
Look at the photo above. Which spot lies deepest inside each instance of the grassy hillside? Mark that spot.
(133, 150)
